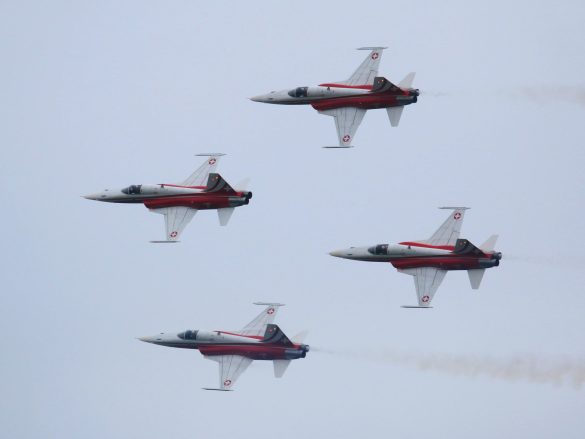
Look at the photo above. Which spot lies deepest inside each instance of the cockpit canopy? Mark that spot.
(188, 335)
(299, 92)
(133, 189)
(380, 249)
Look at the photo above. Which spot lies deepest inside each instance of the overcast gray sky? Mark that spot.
(109, 93)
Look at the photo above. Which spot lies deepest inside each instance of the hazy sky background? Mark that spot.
(109, 93)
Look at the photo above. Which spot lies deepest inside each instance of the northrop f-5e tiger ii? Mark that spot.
(179, 202)
(234, 351)
(347, 101)
(428, 260)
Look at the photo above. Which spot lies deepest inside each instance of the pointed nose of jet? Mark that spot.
(256, 98)
(94, 197)
(146, 339)
(337, 253)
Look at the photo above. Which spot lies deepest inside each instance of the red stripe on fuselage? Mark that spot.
(257, 337)
(178, 185)
(358, 87)
(423, 245)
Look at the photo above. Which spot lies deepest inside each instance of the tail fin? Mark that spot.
(274, 335)
(475, 277)
(464, 247)
(488, 246)
(216, 183)
(280, 367)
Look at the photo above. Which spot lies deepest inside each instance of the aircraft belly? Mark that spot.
(440, 262)
(199, 202)
(366, 102)
(251, 351)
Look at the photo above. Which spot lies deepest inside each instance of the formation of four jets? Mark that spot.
(426, 260)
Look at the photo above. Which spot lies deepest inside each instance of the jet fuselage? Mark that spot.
(330, 96)
(416, 255)
(155, 196)
(211, 343)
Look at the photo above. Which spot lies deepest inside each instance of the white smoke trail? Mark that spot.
(525, 367)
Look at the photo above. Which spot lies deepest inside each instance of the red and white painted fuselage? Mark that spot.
(429, 260)
(202, 190)
(347, 101)
(234, 351)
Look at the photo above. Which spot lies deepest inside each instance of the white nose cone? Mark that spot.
(340, 253)
(92, 197)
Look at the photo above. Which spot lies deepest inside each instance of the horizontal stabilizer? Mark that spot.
(224, 215)
(163, 242)
(280, 367)
(406, 83)
(338, 147)
(415, 306)
(394, 114)
(475, 277)
(217, 390)
(490, 244)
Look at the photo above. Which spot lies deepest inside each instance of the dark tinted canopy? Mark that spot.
(299, 92)
(188, 335)
(132, 190)
(380, 249)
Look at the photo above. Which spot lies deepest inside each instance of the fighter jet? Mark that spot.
(347, 101)
(428, 260)
(202, 190)
(235, 350)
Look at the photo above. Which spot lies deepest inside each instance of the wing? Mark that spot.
(257, 327)
(426, 281)
(368, 69)
(230, 369)
(199, 177)
(448, 233)
(176, 219)
(347, 121)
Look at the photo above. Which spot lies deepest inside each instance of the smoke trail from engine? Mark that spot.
(522, 367)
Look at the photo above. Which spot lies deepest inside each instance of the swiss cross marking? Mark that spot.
(425, 299)
(375, 55)
(270, 311)
(227, 383)
(212, 161)
(346, 138)
(457, 216)
(174, 234)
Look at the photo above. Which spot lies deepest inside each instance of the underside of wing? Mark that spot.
(176, 219)
(347, 121)
(449, 231)
(426, 281)
(257, 327)
(199, 177)
(230, 369)
(368, 69)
